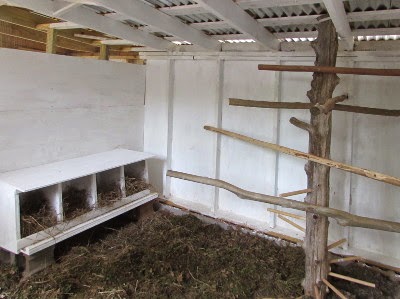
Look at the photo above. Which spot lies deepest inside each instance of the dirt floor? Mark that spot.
(167, 256)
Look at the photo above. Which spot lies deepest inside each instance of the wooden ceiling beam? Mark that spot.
(90, 19)
(241, 20)
(143, 13)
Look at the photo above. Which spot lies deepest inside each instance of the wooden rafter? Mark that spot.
(143, 13)
(231, 13)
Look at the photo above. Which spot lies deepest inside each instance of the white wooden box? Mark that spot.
(87, 173)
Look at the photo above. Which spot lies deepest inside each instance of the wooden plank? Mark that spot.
(330, 70)
(343, 218)
(104, 52)
(345, 259)
(32, 178)
(302, 155)
(51, 41)
(34, 35)
(231, 13)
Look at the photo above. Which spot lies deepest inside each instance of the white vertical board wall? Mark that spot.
(244, 165)
(376, 146)
(201, 89)
(156, 119)
(195, 103)
(55, 107)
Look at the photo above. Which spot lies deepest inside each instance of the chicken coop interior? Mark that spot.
(260, 134)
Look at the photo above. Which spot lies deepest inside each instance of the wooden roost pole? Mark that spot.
(322, 87)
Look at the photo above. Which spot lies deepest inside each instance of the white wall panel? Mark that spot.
(361, 140)
(195, 104)
(55, 107)
(158, 86)
(376, 147)
(245, 165)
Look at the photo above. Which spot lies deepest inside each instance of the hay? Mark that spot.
(36, 215)
(173, 257)
(108, 198)
(134, 185)
(75, 202)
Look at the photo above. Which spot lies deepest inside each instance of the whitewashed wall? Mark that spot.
(56, 107)
(184, 94)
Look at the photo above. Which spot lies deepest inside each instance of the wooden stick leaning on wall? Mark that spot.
(300, 105)
(343, 218)
(348, 278)
(329, 70)
(335, 290)
(292, 152)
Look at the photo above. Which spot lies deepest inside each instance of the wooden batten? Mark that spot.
(351, 279)
(329, 70)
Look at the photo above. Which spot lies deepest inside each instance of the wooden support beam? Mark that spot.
(336, 244)
(299, 227)
(104, 52)
(231, 13)
(303, 191)
(335, 290)
(286, 213)
(317, 293)
(338, 16)
(328, 106)
(302, 155)
(351, 279)
(59, 25)
(329, 70)
(300, 105)
(343, 218)
(144, 13)
(51, 42)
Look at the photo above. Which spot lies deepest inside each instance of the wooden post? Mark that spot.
(104, 52)
(51, 41)
(322, 87)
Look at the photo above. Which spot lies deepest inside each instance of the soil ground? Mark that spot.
(166, 256)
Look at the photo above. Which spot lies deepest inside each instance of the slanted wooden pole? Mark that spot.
(302, 155)
(322, 87)
(329, 69)
(299, 105)
(51, 41)
(343, 218)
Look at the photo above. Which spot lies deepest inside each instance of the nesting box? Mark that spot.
(41, 206)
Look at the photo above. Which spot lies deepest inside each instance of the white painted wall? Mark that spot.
(56, 107)
(186, 93)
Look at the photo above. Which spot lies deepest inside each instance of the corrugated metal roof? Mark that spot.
(315, 9)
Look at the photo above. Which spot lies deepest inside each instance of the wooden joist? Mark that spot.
(343, 218)
(300, 105)
(302, 155)
(329, 70)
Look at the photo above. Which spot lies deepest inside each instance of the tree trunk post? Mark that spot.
(322, 87)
